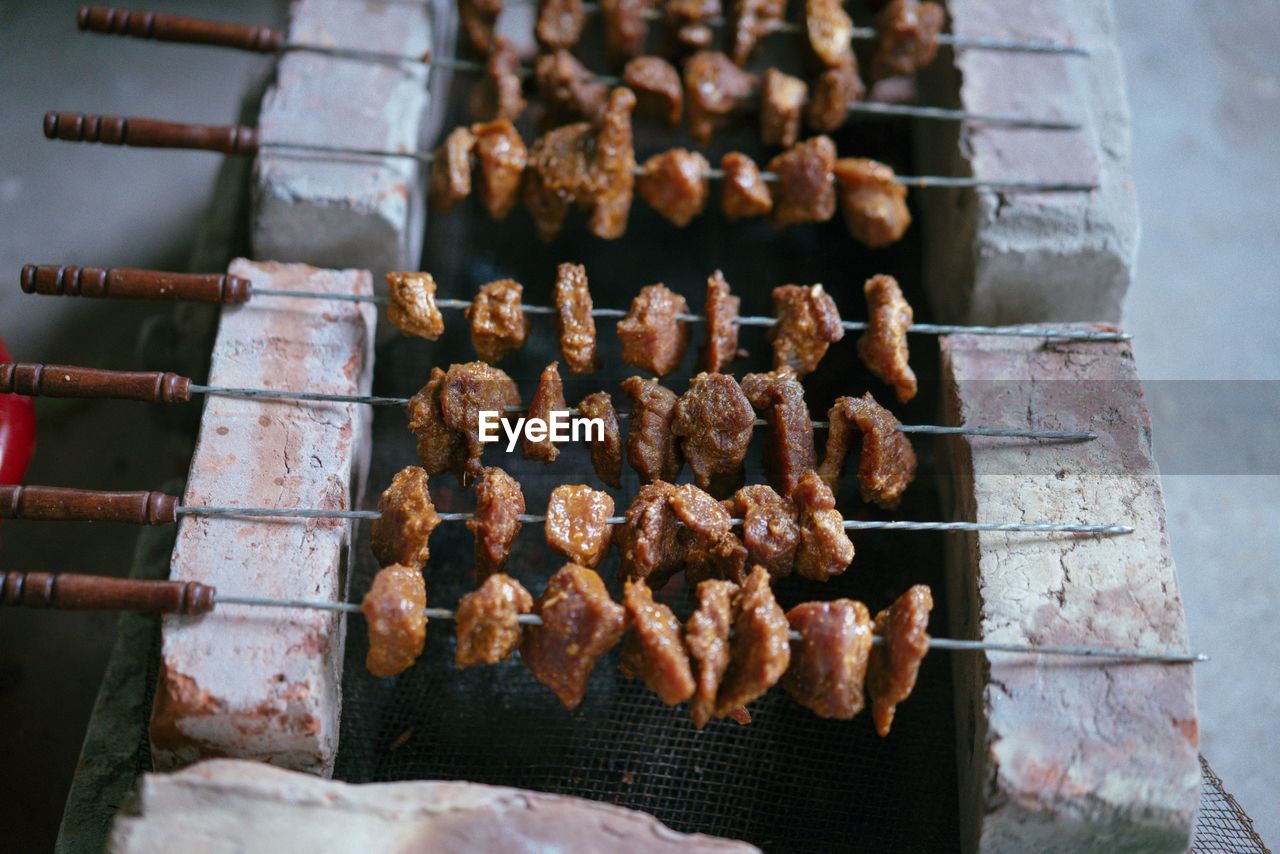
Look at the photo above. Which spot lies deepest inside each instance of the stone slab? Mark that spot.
(252, 682)
(1063, 754)
(999, 258)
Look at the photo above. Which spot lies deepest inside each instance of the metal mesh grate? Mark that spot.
(1222, 825)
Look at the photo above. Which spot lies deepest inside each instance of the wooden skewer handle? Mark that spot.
(150, 133)
(55, 504)
(129, 283)
(36, 380)
(71, 592)
(143, 24)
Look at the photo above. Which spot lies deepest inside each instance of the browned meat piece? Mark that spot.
(825, 549)
(502, 157)
(829, 665)
(648, 539)
(578, 523)
(654, 648)
(500, 95)
(412, 308)
(653, 337)
(833, 92)
(568, 89)
(451, 170)
(745, 194)
(908, 41)
(779, 398)
(675, 184)
(805, 190)
(402, 533)
(707, 638)
(830, 32)
(558, 175)
(657, 86)
(488, 621)
(752, 20)
(576, 327)
(688, 23)
(478, 20)
(759, 650)
(606, 452)
(615, 168)
(722, 324)
(440, 448)
(397, 627)
(782, 99)
(580, 623)
(468, 390)
(498, 324)
(715, 420)
(559, 23)
(548, 397)
(652, 449)
(496, 520)
(770, 528)
(874, 204)
(707, 542)
(894, 666)
(713, 86)
(808, 323)
(625, 30)
(883, 346)
(887, 463)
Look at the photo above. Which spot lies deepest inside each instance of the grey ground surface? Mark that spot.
(1204, 86)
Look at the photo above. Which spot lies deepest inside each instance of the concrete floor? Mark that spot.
(1205, 93)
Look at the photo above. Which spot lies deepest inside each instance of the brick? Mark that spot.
(1060, 754)
(250, 682)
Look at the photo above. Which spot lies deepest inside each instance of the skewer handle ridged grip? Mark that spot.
(36, 380)
(72, 592)
(129, 283)
(150, 133)
(56, 504)
(143, 24)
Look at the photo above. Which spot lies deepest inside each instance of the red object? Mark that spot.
(17, 431)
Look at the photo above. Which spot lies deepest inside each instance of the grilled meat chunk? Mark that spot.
(715, 421)
(830, 31)
(713, 86)
(782, 100)
(908, 31)
(653, 337)
(488, 621)
(657, 86)
(568, 89)
(648, 539)
(883, 346)
(479, 17)
(706, 540)
(578, 523)
(707, 638)
(451, 170)
(770, 528)
(580, 623)
(829, 664)
(804, 191)
(887, 463)
(894, 666)
(654, 648)
(606, 452)
(402, 533)
(652, 449)
(440, 447)
(833, 92)
(625, 30)
(779, 398)
(501, 94)
(548, 397)
(498, 324)
(501, 155)
(397, 627)
(721, 311)
(468, 390)
(825, 549)
(759, 650)
(675, 184)
(745, 194)
(873, 203)
(574, 323)
(412, 308)
(559, 24)
(615, 167)
(495, 524)
(688, 23)
(808, 323)
(753, 20)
